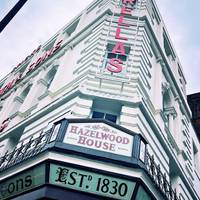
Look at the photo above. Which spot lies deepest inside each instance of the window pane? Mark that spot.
(110, 47)
(97, 115)
(122, 57)
(112, 118)
(112, 55)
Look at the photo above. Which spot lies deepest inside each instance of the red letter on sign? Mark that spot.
(1, 91)
(120, 22)
(126, 11)
(119, 48)
(129, 1)
(117, 63)
(58, 45)
(117, 36)
(39, 60)
(9, 85)
(4, 124)
(31, 67)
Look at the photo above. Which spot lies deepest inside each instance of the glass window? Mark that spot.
(110, 117)
(19, 100)
(24, 94)
(50, 76)
(128, 4)
(106, 109)
(111, 55)
(100, 115)
(97, 115)
(167, 46)
(122, 57)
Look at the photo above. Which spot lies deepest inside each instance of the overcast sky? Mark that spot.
(38, 20)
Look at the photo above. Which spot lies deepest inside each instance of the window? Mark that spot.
(50, 76)
(72, 27)
(167, 46)
(19, 100)
(1, 104)
(25, 92)
(107, 116)
(106, 109)
(128, 4)
(98, 114)
(166, 100)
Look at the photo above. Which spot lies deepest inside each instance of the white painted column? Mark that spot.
(82, 108)
(128, 118)
(64, 72)
(17, 102)
(6, 106)
(178, 125)
(158, 86)
(171, 123)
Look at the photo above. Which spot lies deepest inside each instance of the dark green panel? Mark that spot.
(22, 182)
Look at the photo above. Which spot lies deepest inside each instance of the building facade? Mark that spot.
(100, 112)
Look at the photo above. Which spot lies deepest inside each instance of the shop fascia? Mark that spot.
(93, 182)
(115, 65)
(35, 64)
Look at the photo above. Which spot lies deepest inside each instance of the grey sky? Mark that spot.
(39, 20)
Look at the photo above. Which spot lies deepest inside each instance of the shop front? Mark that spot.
(57, 180)
(80, 159)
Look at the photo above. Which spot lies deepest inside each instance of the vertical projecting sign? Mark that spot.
(115, 65)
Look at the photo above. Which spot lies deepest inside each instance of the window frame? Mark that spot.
(105, 116)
